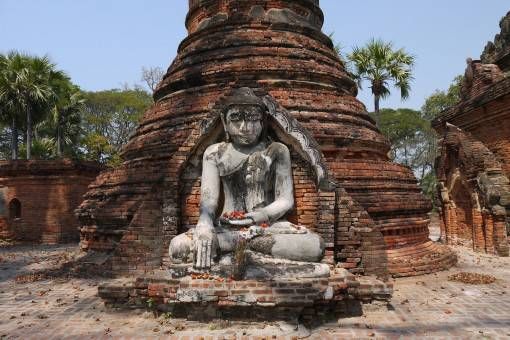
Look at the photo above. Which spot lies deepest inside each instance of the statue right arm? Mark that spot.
(206, 242)
(210, 191)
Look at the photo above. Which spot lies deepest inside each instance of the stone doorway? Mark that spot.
(464, 213)
(14, 209)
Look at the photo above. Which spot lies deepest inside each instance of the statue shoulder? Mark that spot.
(214, 151)
(279, 148)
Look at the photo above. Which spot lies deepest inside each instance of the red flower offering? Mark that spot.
(235, 215)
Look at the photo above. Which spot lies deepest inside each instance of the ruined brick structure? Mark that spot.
(38, 199)
(474, 165)
(373, 220)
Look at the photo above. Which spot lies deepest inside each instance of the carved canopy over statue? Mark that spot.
(255, 175)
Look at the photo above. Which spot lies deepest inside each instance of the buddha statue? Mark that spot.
(255, 175)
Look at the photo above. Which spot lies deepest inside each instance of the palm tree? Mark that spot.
(38, 92)
(26, 88)
(10, 67)
(66, 117)
(379, 64)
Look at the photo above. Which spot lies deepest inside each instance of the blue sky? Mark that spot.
(103, 44)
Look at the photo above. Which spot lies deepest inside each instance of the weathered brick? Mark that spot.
(40, 198)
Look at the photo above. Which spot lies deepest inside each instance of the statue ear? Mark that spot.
(223, 121)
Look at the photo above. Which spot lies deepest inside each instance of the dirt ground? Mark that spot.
(62, 304)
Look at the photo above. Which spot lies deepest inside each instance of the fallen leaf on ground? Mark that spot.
(472, 278)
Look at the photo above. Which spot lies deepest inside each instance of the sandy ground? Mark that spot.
(63, 305)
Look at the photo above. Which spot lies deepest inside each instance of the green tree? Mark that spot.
(413, 143)
(406, 130)
(37, 92)
(58, 118)
(439, 101)
(379, 64)
(434, 105)
(26, 88)
(97, 148)
(108, 119)
(413, 140)
(65, 117)
(5, 141)
(9, 102)
(63, 120)
(41, 148)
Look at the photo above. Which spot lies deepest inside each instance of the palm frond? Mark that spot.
(379, 63)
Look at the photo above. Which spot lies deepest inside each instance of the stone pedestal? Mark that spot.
(340, 293)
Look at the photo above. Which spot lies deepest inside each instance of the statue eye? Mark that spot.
(254, 117)
(235, 117)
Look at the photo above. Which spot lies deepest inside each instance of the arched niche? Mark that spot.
(461, 195)
(309, 171)
(14, 209)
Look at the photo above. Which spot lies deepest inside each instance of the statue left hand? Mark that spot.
(253, 218)
(257, 217)
(206, 244)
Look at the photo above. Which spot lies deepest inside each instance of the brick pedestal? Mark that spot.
(340, 293)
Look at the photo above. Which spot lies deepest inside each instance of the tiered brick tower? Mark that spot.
(276, 46)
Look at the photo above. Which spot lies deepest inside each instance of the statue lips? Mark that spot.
(246, 140)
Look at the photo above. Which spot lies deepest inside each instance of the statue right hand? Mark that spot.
(206, 243)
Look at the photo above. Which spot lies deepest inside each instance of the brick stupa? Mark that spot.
(277, 48)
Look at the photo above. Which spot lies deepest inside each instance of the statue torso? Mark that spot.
(247, 179)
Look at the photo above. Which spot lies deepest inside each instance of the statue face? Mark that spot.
(244, 124)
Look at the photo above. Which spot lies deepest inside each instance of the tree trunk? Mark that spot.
(377, 98)
(14, 139)
(29, 134)
(59, 141)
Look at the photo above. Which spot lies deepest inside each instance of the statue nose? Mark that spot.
(244, 125)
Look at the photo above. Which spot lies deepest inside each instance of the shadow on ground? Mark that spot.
(30, 263)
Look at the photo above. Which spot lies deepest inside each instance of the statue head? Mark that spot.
(244, 117)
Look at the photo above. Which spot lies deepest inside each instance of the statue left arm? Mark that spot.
(283, 186)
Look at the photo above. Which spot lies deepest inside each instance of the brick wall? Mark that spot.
(494, 129)
(474, 193)
(230, 9)
(48, 192)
